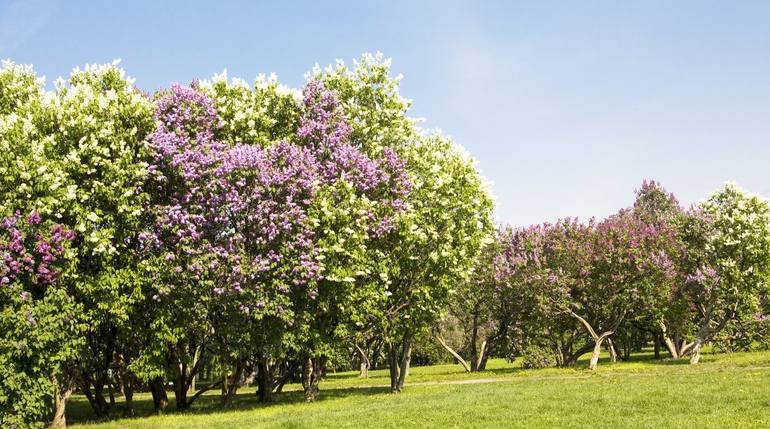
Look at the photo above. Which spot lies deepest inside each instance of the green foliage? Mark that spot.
(437, 240)
(535, 357)
(427, 351)
(31, 354)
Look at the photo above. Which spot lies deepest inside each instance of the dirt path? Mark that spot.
(469, 381)
(700, 370)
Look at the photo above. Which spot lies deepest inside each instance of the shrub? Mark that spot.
(536, 357)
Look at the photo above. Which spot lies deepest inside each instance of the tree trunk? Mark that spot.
(671, 344)
(287, 370)
(59, 404)
(703, 334)
(312, 372)
(159, 395)
(101, 402)
(399, 357)
(393, 367)
(598, 339)
(264, 381)
(597, 350)
(127, 382)
(695, 357)
(195, 364)
(626, 351)
(613, 352)
(111, 390)
(570, 358)
(180, 393)
(700, 340)
(474, 337)
(673, 350)
(363, 362)
(656, 344)
(95, 397)
(232, 385)
(406, 359)
(481, 364)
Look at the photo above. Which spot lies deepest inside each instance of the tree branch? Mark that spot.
(459, 358)
(585, 323)
(202, 391)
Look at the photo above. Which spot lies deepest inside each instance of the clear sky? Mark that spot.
(566, 105)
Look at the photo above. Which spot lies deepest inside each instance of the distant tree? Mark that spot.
(597, 274)
(470, 306)
(538, 270)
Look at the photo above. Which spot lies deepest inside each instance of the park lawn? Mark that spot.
(725, 390)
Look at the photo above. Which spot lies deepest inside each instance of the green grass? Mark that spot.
(723, 391)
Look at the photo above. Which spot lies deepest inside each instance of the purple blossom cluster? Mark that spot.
(239, 215)
(31, 250)
(614, 259)
(539, 250)
(631, 249)
(705, 278)
(324, 130)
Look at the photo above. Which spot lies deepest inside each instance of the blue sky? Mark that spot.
(566, 105)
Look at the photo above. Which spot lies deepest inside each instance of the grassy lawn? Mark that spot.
(723, 391)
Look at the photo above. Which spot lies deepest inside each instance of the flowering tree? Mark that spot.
(660, 210)
(73, 155)
(598, 274)
(98, 125)
(431, 246)
(189, 255)
(31, 360)
(353, 213)
(729, 256)
(630, 271)
(534, 269)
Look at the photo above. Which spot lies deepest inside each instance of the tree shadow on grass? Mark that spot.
(79, 411)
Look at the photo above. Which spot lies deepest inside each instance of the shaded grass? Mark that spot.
(723, 391)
